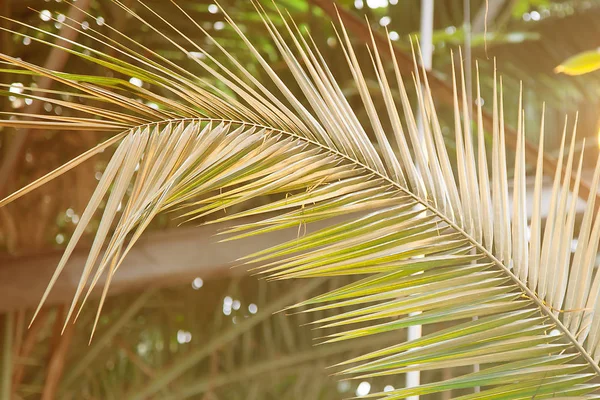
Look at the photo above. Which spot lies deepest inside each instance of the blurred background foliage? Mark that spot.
(196, 340)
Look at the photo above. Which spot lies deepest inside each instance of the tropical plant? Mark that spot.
(427, 244)
(579, 64)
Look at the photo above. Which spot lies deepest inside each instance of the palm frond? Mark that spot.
(419, 239)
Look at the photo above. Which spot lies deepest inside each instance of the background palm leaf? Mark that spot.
(421, 238)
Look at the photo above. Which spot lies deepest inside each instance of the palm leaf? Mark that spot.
(419, 239)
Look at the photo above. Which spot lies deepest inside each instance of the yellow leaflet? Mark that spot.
(580, 64)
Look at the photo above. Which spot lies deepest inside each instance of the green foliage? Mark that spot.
(522, 6)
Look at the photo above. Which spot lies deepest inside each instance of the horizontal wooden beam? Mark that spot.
(158, 259)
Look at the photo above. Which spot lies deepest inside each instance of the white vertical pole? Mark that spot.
(413, 378)
(469, 86)
(426, 41)
(467, 52)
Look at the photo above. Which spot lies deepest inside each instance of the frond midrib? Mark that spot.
(545, 310)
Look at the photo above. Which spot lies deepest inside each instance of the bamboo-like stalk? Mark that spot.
(167, 375)
(27, 347)
(275, 364)
(104, 339)
(56, 364)
(7, 356)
